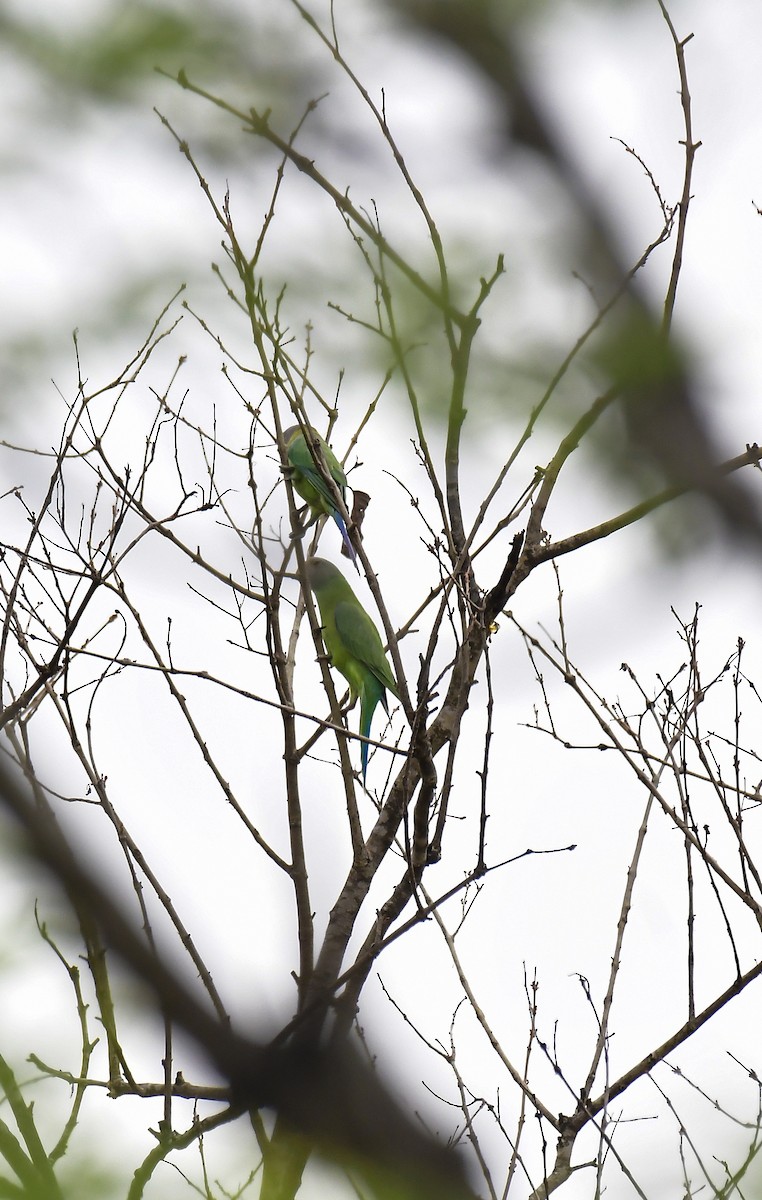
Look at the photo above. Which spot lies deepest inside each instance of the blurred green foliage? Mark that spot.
(109, 57)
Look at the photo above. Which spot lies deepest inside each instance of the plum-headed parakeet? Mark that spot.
(309, 483)
(353, 643)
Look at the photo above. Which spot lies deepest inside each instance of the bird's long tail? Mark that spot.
(343, 531)
(366, 714)
(371, 694)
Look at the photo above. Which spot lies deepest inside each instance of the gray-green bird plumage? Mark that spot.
(353, 643)
(308, 481)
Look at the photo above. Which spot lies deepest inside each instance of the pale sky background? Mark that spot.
(89, 208)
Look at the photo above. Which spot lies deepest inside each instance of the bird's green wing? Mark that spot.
(360, 638)
(301, 459)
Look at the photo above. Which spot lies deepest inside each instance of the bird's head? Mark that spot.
(294, 431)
(320, 572)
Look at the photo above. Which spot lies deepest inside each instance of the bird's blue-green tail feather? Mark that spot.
(343, 531)
(373, 691)
(366, 715)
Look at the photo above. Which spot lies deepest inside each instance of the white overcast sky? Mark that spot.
(84, 210)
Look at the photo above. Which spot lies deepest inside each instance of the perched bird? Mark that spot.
(309, 483)
(353, 644)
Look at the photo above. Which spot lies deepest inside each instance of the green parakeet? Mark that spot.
(353, 644)
(308, 481)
